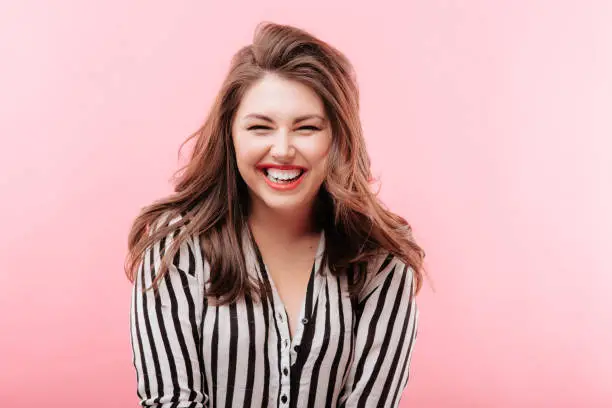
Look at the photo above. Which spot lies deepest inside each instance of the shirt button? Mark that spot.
(285, 371)
(286, 343)
(296, 347)
(283, 398)
(280, 317)
(304, 320)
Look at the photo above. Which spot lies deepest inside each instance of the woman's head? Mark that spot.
(281, 137)
(285, 75)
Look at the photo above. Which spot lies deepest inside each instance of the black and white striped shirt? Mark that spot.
(344, 353)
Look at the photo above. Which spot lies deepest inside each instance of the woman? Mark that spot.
(278, 279)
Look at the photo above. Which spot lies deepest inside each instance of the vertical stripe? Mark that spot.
(201, 269)
(261, 267)
(164, 333)
(145, 301)
(195, 333)
(314, 378)
(201, 348)
(309, 292)
(331, 386)
(233, 355)
(251, 360)
(214, 355)
(266, 394)
(278, 339)
(140, 362)
(349, 363)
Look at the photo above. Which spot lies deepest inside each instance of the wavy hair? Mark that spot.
(210, 197)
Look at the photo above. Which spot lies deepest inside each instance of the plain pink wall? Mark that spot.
(490, 124)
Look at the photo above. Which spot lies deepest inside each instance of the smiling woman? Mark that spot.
(278, 278)
(282, 140)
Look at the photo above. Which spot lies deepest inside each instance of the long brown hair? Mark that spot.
(210, 197)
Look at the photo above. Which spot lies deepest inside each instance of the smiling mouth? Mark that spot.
(282, 180)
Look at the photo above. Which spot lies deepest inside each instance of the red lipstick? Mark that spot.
(281, 186)
(279, 166)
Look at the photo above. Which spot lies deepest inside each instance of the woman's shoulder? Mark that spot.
(188, 256)
(171, 222)
(385, 266)
(385, 262)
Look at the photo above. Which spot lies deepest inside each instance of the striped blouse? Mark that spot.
(344, 353)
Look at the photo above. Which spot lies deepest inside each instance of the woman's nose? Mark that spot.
(282, 146)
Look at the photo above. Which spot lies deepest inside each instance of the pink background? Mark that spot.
(490, 124)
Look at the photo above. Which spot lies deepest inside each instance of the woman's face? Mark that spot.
(282, 137)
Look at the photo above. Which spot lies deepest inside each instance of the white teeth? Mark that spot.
(283, 174)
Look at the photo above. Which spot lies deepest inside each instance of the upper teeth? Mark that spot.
(283, 174)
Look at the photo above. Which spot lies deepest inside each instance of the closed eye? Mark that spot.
(256, 127)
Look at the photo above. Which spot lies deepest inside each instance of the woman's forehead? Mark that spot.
(280, 99)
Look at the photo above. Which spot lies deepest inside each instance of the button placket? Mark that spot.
(290, 346)
(285, 343)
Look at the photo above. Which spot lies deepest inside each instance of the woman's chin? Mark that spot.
(289, 203)
(285, 205)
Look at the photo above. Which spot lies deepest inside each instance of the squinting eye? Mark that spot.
(257, 127)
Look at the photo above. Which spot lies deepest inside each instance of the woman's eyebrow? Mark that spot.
(306, 117)
(297, 120)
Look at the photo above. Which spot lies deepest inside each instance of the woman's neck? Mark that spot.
(290, 227)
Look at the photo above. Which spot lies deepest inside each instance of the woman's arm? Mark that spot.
(385, 333)
(166, 332)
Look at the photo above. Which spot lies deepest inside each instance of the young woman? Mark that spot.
(273, 276)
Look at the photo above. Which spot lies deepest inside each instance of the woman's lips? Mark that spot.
(283, 186)
(265, 166)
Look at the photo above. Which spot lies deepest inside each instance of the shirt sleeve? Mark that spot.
(166, 331)
(385, 333)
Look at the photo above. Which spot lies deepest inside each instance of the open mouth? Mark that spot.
(283, 177)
